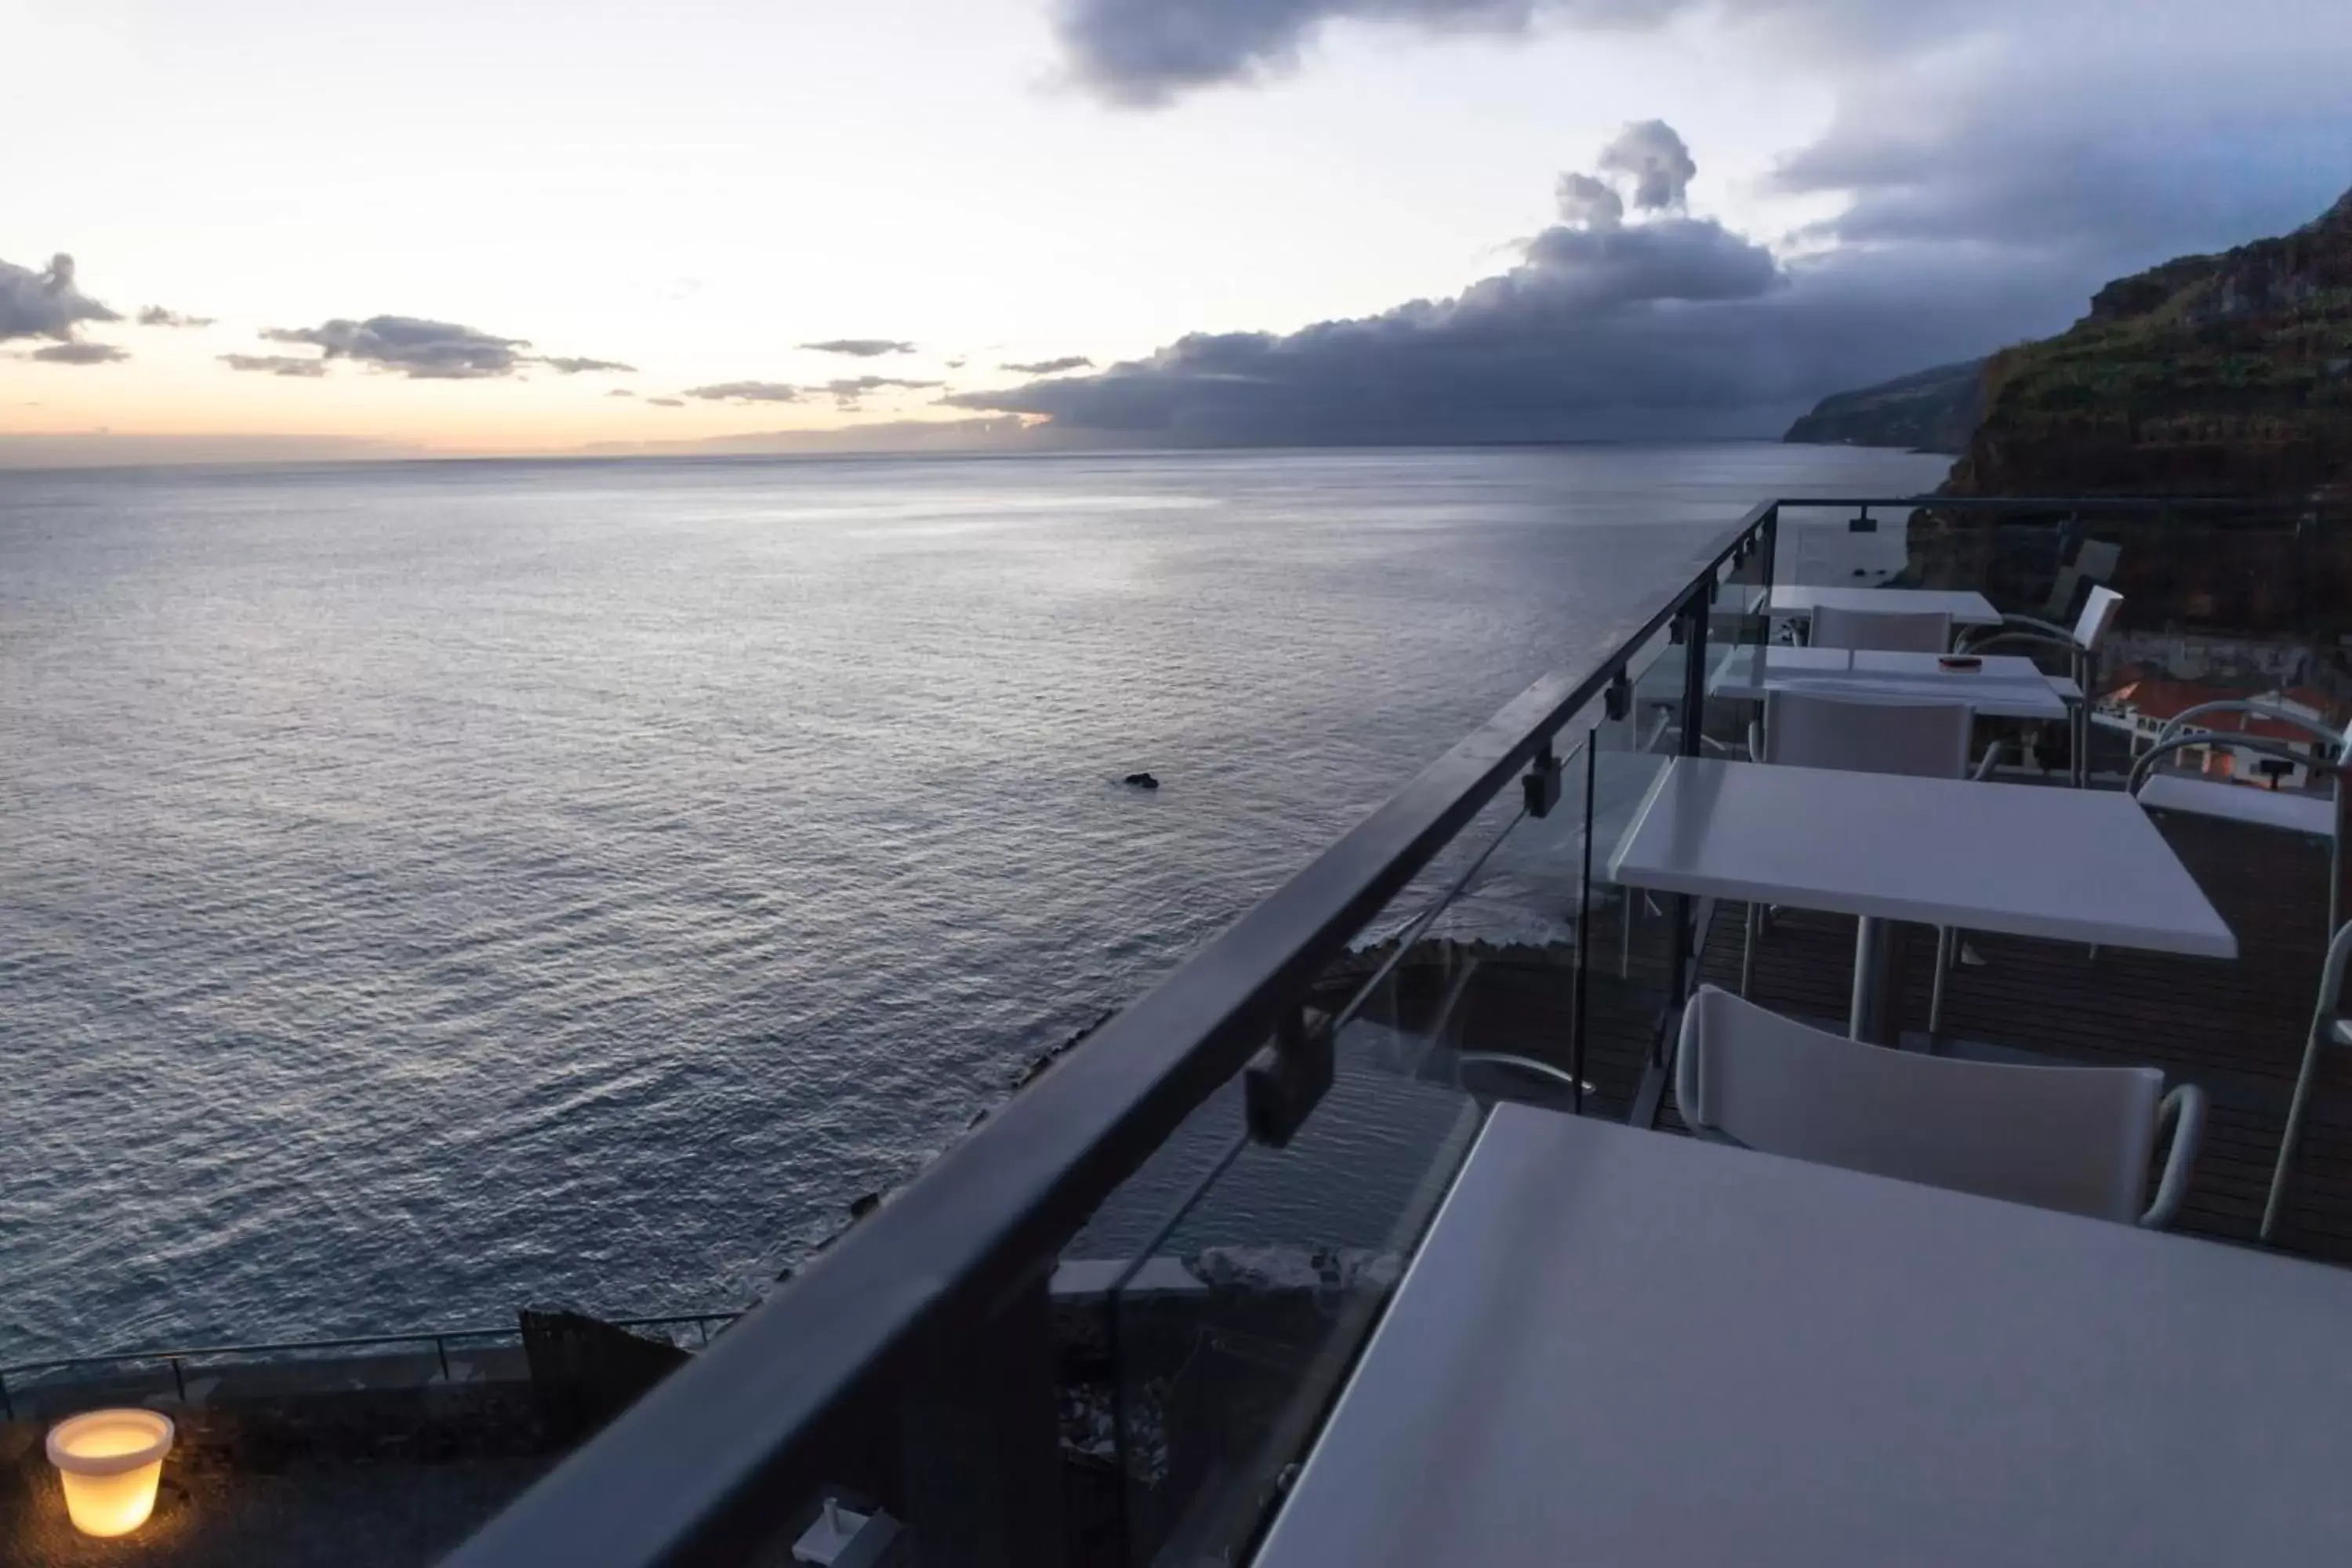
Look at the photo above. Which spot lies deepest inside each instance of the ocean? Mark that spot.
(426, 888)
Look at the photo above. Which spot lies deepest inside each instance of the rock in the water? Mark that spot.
(1141, 781)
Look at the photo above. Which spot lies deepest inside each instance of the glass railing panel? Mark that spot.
(1636, 936)
(1856, 546)
(1238, 1279)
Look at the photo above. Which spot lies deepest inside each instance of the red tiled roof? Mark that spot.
(2165, 701)
(2333, 709)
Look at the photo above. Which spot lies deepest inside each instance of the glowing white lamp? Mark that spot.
(110, 1461)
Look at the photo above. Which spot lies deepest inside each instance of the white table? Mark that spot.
(2003, 686)
(1797, 602)
(2069, 865)
(1618, 1347)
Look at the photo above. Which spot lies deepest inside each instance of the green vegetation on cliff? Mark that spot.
(1930, 410)
(2210, 374)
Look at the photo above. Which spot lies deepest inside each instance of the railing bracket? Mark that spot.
(1541, 782)
(1288, 1078)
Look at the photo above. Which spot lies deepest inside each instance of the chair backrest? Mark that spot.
(1897, 631)
(1925, 740)
(2098, 617)
(2070, 1138)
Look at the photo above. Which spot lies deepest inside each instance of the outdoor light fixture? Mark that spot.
(110, 1461)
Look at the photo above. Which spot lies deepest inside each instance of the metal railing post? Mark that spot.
(1583, 933)
(979, 1442)
(1692, 622)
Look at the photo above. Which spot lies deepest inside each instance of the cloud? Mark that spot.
(276, 365)
(1142, 53)
(419, 349)
(80, 354)
(1671, 326)
(1052, 366)
(1587, 201)
(861, 348)
(576, 366)
(745, 392)
(44, 304)
(848, 390)
(620, 392)
(666, 402)
(1653, 156)
(156, 316)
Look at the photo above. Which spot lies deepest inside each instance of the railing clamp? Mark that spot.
(1541, 786)
(1288, 1078)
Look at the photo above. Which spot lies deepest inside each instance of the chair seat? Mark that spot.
(2289, 810)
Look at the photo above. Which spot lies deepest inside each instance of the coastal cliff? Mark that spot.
(1928, 410)
(2222, 374)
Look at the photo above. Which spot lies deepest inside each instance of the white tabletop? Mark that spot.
(1967, 609)
(2071, 865)
(2004, 687)
(1621, 1347)
(2294, 811)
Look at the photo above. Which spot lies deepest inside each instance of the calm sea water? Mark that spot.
(425, 888)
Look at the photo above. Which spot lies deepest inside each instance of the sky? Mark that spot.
(306, 228)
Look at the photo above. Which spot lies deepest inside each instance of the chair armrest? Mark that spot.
(2017, 629)
(2262, 745)
(1527, 1065)
(1991, 761)
(2185, 1109)
(2179, 723)
(1686, 1067)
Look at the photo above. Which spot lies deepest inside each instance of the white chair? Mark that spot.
(2312, 813)
(2327, 1028)
(1854, 734)
(1899, 631)
(2076, 1139)
(2081, 644)
(1857, 734)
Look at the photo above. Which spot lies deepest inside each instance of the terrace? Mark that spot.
(1165, 1306)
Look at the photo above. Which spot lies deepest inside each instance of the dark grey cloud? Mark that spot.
(620, 392)
(276, 365)
(745, 392)
(1587, 201)
(157, 316)
(80, 354)
(1674, 326)
(420, 349)
(861, 348)
(666, 402)
(1143, 52)
(47, 303)
(2060, 156)
(847, 391)
(576, 366)
(1051, 366)
(1650, 154)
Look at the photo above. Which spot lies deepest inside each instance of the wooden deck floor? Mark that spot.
(2235, 1028)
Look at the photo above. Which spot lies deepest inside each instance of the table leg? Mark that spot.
(1873, 945)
